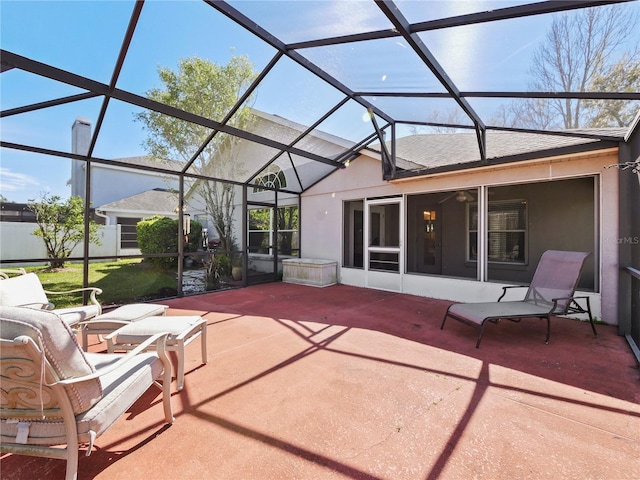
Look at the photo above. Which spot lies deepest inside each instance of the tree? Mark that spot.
(61, 226)
(579, 53)
(623, 76)
(204, 88)
(452, 116)
(533, 113)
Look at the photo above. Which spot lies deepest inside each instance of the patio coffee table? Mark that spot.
(118, 317)
(182, 329)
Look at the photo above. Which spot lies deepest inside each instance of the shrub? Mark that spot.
(160, 235)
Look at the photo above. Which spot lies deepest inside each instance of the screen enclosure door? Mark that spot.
(383, 229)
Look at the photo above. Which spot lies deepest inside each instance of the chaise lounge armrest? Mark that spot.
(504, 289)
(38, 305)
(97, 323)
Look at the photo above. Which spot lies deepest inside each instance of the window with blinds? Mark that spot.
(507, 231)
(128, 232)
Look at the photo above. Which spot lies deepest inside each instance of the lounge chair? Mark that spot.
(551, 292)
(27, 291)
(54, 394)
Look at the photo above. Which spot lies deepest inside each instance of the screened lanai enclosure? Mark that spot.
(222, 116)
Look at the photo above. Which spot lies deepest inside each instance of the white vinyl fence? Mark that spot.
(18, 242)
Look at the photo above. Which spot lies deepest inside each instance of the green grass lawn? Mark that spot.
(123, 281)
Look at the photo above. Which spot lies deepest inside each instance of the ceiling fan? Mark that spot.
(461, 196)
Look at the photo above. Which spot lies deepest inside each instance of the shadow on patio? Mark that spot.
(344, 382)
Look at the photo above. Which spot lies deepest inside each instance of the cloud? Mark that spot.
(13, 181)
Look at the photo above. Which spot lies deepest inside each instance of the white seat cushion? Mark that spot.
(136, 332)
(134, 312)
(23, 290)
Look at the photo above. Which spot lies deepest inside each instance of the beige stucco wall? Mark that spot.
(321, 225)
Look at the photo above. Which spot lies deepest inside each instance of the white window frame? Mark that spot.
(484, 213)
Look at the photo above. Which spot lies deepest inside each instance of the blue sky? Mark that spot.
(85, 37)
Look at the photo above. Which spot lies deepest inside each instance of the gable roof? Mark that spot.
(156, 201)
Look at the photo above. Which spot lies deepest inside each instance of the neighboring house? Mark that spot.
(429, 234)
(120, 195)
(127, 212)
(110, 183)
(114, 182)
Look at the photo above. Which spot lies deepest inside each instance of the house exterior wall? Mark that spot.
(322, 223)
(112, 217)
(628, 241)
(111, 183)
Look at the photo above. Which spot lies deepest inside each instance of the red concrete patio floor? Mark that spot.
(345, 382)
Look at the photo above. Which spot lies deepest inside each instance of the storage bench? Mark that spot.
(310, 271)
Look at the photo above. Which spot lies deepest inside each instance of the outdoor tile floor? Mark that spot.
(344, 382)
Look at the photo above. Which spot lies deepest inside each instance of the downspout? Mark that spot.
(181, 235)
(107, 220)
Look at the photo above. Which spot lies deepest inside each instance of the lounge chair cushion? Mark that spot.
(60, 346)
(23, 290)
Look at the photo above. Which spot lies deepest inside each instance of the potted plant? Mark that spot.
(236, 272)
